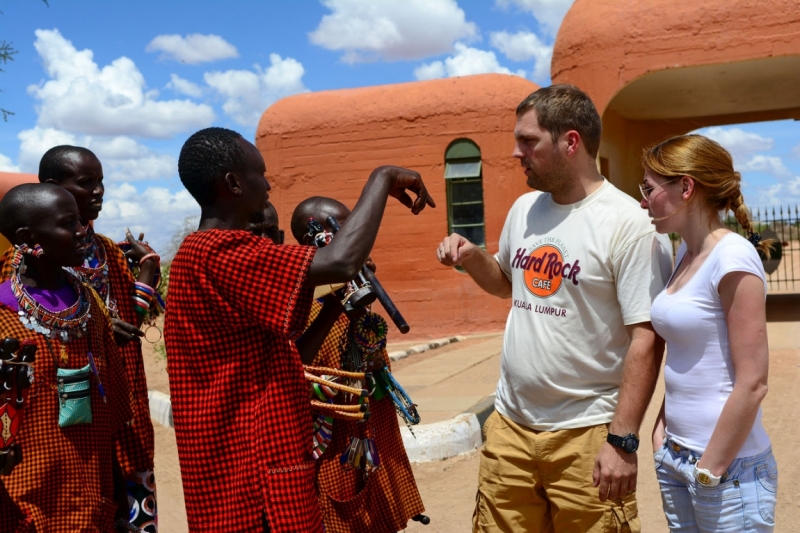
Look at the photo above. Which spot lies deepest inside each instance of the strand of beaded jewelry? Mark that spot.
(94, 271)
(54, 324)
(157, 305)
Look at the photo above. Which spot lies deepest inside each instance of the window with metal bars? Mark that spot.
(463, 176)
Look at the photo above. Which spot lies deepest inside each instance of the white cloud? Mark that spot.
(772, 195)
(525, 46)
(430, 71)
(392, 29)
(6, 165)
(465, 62)
(156, 212)
(81, 97)
(785, 193)
(772, 165)
(183, 86)
(192, 49)
(549, 13)
(35, 142)
(123, 158)
(793, 186)
(741, 144)
(249, 93)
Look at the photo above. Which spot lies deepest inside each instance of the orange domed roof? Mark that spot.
(603, 45)
(412, 101)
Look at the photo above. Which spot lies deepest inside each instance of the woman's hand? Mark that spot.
(139, 248)
(717, 469)
(124, 332)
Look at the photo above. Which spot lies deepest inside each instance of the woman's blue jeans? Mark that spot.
(744, 501)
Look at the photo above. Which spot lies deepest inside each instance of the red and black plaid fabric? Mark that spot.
(137, 439)
(239, 398)
(389, 498)
(6, 270)
(64, 482)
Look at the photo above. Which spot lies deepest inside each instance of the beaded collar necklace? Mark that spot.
(63, 325)
(94, 270)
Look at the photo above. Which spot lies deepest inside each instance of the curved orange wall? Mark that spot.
(9, 180)
(641, 36)
(327, 143)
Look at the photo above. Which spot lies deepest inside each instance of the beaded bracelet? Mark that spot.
(142, 296)
(150, 256)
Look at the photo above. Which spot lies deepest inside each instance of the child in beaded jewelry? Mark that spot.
(321, 345)
(63, 481)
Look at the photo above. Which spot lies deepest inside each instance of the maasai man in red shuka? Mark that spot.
(239, 397)
(79, 401)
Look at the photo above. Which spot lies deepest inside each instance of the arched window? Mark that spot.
(462, 175)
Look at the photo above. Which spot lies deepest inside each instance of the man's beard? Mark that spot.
(554, 179)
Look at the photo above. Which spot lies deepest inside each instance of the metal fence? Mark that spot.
(782, 224)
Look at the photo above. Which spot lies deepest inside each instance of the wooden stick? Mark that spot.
(353, 408)
(337, 386)
(324, 370)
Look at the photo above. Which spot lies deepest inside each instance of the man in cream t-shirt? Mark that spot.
(582, 264)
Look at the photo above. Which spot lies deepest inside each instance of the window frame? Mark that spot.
(464, 151)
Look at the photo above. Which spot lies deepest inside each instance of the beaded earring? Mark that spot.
(35, 251)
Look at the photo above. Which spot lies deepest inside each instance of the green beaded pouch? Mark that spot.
(75, 396)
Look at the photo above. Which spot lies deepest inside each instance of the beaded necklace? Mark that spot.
(94, 270)
(62, 325)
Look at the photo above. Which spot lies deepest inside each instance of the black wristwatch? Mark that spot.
(629, 443)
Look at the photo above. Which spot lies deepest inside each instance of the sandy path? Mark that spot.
(448, 487)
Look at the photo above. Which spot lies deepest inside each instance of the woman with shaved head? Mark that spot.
(79, 400)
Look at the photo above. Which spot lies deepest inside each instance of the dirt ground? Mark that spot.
(448, 487)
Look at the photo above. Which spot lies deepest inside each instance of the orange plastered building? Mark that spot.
(9, 180)
(327, 143)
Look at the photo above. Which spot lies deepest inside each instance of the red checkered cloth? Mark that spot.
(137, 439)
(389, 498)
(239, 396)
(138, 436)
(64, 482)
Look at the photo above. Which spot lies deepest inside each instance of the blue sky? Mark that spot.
(132, 80)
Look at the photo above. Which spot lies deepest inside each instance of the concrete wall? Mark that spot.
(327, 144)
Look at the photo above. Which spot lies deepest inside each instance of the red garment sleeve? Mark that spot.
(263, 284)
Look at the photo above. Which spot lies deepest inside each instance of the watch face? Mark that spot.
(703, 478)
(631, 444)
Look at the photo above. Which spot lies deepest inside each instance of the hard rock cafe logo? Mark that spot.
(545, 270)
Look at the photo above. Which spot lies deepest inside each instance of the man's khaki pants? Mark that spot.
(541, 481)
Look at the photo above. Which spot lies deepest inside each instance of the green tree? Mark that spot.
(7, 53)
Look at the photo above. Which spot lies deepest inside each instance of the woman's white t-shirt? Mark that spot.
(699, 374)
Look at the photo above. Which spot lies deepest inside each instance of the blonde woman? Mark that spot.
(714, 460)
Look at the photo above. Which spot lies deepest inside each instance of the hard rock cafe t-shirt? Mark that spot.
(579, 273)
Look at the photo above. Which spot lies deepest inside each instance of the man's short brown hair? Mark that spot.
(561, 108)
